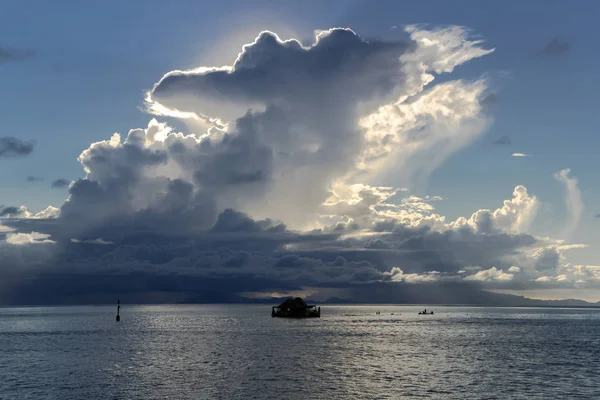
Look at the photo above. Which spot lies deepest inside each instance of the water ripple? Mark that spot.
(240, 352)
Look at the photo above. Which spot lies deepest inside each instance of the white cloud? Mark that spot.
(492, 274)
(49, 212)
(315, 150)
(27, 238)
(572, 199)
(331, 141)
(397, 275)
(444, 49)
(356, 201)
(571, 275)
(518, 213)
(366, 205)
(572, 246)
(441, 50)
(515, 215)
(580, 274)
(5, 229)
(23, 212)
(411, 138)
(520, 155)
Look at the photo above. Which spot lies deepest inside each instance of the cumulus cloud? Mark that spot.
(556, 47)
(515, 215)
(234, 221)
(304, 178)
(572, 199)
(547, 259)
(14, 147)
(23, 212)
(10, 211)
(363, 204)
(60, 183)
(570, 275)
(397, 275)
(580, 275)
(27, 238)
(262, 255)
(49, 212)
(318, 144)
(304, 135)
(269, 70)
(491, 275)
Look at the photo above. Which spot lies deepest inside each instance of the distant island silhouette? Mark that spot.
(296, 307)
(383, 293)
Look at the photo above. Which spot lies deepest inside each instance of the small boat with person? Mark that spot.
(424, 312)
(296, 308)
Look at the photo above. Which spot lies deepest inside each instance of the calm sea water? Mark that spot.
(240, 352)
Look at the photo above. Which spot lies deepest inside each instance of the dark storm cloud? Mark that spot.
(14, 147)
(147, 288)
(435, 293)
(306, 129)
(502, 141)
(9, 211)
(60, 183)
(419, 250)
(14, 55)
(158, 219)
(547, 260)
(556, 47)
(263, 69)
(104, 198)
(233, 221)
(239, 159)
(94, 210)
(239, 254)
(134, 287)
(304, 90)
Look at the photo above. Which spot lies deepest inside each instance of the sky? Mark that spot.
(218, 151)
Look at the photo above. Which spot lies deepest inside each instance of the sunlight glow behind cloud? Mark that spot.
(301, 173)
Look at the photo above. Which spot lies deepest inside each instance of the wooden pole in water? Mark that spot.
(118, 308)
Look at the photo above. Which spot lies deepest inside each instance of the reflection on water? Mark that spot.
(231, 352)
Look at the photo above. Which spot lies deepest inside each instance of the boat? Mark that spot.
(296, 308)
(424, 312)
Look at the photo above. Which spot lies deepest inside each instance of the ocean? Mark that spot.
(240, 352)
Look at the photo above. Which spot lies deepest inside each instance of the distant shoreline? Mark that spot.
(591, 306)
